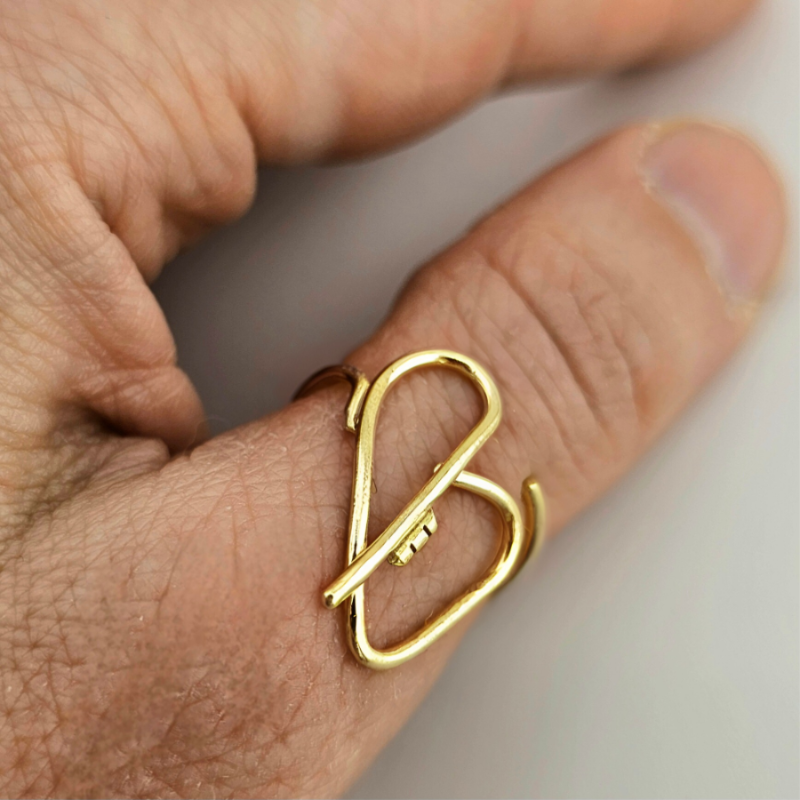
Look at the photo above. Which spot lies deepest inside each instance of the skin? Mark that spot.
(161, 630)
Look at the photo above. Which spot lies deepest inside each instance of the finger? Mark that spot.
(600, 299)
(359, 75)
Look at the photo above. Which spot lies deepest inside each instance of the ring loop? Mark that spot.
(416, 523)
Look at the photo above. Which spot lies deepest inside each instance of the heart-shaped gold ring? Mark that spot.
(414, 525)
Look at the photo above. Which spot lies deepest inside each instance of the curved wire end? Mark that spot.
(359, 385)
(533, 498)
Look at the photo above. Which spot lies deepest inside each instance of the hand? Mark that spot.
(161, 628)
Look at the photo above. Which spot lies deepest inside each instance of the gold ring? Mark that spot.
(416, 523)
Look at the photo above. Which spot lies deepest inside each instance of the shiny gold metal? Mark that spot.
(416, 523)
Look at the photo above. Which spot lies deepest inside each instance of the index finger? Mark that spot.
(358, 75)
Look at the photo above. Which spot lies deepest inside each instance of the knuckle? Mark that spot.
(581, 348)
(148, 131)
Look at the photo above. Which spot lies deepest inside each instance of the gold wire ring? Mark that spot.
(416, 523)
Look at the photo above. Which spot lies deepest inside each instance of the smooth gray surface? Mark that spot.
(654, 649)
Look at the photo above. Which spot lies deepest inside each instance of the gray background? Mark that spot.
(653, 651)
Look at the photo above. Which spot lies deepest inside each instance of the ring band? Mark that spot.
(416, 523)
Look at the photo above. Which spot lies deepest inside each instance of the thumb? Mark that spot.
(600, 299)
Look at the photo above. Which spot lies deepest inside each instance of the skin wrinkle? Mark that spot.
(628, 376)
(553, 334)
(183, 77)
(634, 398)
(244, 179)
(541, 396)
(82, 297)
(44, 493)
(534, 453)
